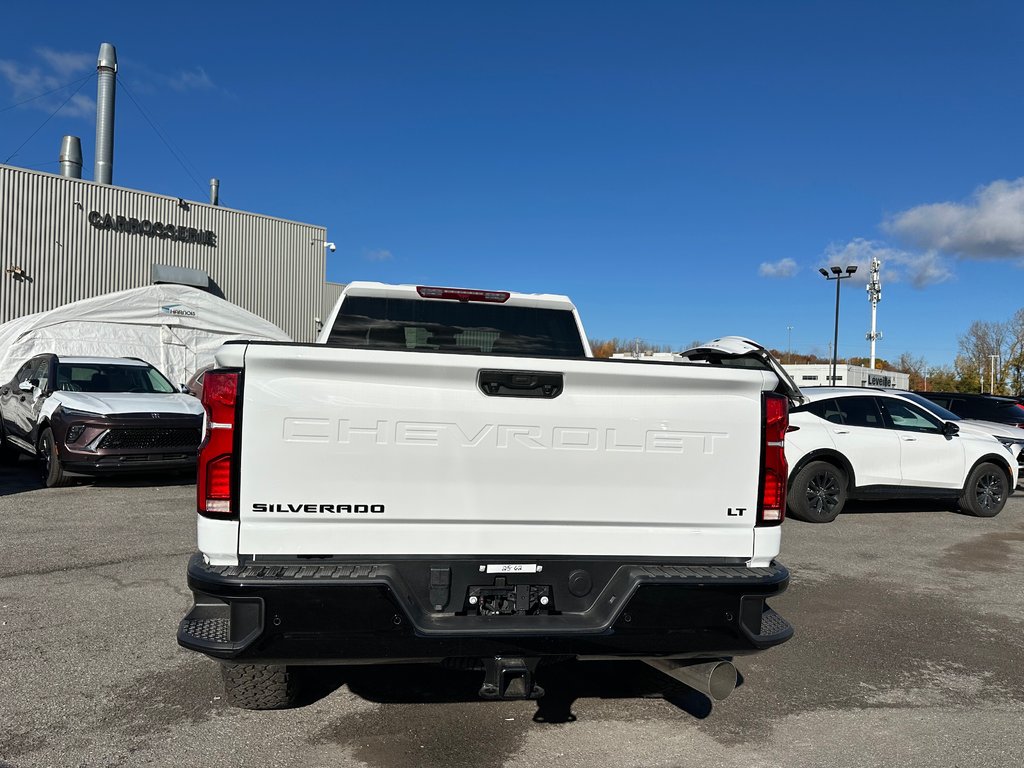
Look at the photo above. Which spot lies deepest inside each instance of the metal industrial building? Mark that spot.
(63, 238)
(820, 374)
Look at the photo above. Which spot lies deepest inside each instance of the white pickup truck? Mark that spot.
(447, 475)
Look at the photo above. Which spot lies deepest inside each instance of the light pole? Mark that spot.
(838, 276)
(789, 345)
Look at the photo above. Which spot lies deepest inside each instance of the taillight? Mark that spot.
(462, 294)
(216, 474)
(772, 507)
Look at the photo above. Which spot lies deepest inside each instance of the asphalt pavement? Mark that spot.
(909, 641)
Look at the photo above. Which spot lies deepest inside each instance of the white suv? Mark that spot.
(1010, 436)
(862, 443)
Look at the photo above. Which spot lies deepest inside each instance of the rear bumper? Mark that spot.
(418, 610)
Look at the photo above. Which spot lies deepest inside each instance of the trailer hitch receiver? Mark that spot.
(510, 677)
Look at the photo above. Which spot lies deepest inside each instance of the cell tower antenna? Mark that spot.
(874, 296)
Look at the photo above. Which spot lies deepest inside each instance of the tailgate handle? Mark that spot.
(542, 384)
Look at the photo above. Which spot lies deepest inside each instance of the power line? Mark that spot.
(161, 136)
(40, 164)
(47, 93)
(58, 109)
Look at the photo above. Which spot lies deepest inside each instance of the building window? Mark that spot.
(808, 378)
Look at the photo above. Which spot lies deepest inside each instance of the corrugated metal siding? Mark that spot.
(272, 267)
(332, 291)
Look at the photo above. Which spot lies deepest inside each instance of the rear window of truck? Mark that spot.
(455, 326)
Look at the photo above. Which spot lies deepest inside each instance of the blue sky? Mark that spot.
(681, 170)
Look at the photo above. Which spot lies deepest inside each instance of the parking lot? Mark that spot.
(910, 637)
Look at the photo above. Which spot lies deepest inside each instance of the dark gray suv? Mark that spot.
(1005, 410)
(97, 416)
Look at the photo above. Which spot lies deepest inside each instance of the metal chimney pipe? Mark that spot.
(106, 72)
(214, 191)
(71, 157)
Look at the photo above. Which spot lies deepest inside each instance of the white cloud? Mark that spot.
(80, 106)
(22, 81)
(64, 64)
(898, 266)
(989, 225)
(27, 82)
(57, 68)
(780, 268)
(920, 269)
(143, 79)
(193, 80)
(378, 255)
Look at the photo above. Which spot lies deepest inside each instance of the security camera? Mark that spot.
(331, 247)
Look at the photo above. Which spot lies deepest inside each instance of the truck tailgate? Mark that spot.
(359, 452)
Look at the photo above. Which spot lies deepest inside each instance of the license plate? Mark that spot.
(512, 568)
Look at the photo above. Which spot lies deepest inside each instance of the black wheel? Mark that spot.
(986, 491)
(818, 493)
(259, 686)
(50, 468)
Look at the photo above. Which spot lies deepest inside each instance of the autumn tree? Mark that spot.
(602, 348)
(880, 363)
(942, 379)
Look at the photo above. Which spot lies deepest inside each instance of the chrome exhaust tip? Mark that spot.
(715, 679)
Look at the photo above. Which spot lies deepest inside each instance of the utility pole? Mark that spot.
(992, 376)
(789, 345)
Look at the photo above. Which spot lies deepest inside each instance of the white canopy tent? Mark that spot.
(176, 328)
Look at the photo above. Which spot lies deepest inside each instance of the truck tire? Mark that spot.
(818, 493)
(50, 468)
(986, 490)
(258, 686)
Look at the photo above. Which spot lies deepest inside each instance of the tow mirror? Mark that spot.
(184, 389)
(950, 428)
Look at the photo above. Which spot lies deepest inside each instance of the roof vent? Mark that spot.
(71, 157)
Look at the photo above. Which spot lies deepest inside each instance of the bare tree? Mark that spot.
(1014, 357)
(608, 347)
(917, 367)
(977, 345)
